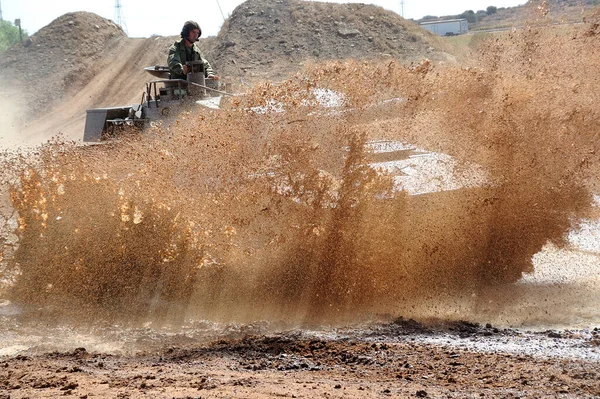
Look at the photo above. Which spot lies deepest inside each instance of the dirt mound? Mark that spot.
(259, 39)
(267, 39)
(58, 58)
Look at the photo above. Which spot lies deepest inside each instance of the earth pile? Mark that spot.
(79, 61)
(59, 58)
(271, 39)
(82, 61)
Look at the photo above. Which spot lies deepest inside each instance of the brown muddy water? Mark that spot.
(279, 212)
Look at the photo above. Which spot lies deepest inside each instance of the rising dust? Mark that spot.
(12, 116)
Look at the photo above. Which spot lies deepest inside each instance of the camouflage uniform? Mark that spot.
(179, 54)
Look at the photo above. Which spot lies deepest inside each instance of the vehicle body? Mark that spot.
(159, 95)
(448, 27)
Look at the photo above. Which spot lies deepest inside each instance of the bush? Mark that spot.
(9, 35)
(469, 15)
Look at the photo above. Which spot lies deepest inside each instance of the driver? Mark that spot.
(186, 50)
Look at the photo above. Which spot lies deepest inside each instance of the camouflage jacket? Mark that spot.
(179, 55)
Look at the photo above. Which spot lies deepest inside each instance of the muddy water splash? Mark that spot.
(251, 213)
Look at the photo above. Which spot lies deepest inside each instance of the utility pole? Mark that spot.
(223, 15)
(1, 11)
(402, 8)
(119, 18)
(18, 23)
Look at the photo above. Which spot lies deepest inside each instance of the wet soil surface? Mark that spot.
(401, 358)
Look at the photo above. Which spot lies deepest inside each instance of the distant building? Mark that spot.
(448, 27)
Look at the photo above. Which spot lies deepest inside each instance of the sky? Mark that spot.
(144, 18)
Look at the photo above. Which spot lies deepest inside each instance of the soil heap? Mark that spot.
(272, 38)
(77, 62)
(58, 57)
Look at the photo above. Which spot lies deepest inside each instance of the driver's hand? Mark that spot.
(186, 70)
(213, 77)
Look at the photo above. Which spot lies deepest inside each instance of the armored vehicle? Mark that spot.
(157, 100)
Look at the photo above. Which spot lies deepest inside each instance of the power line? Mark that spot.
(119, 18)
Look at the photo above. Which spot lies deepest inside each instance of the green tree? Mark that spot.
(9, 35)
(469, 15)
(491, 10)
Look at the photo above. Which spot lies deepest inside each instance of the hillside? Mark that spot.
(537, 11)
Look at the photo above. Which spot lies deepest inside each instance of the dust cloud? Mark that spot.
(249, 213)
(16, 117)
(10, 123)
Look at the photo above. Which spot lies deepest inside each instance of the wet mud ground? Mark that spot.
(398, 358)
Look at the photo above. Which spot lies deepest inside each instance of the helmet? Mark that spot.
(189, 26)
